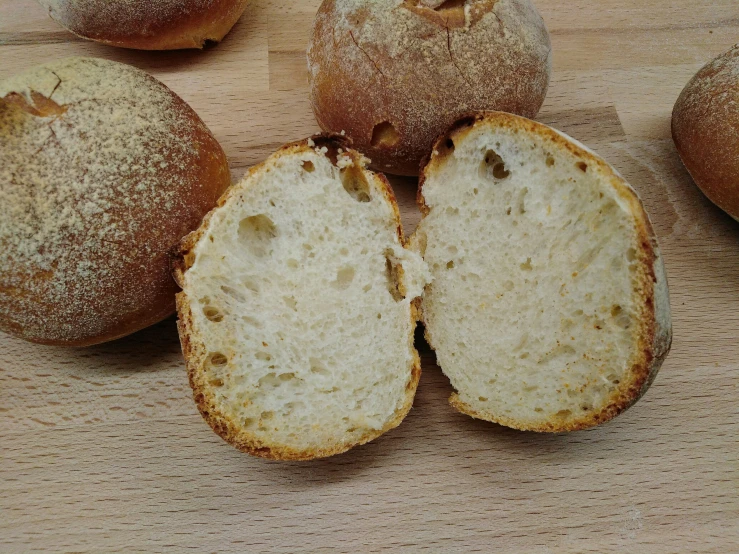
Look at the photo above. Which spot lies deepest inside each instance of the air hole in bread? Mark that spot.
(482, 399)
(450, 265)
(393, 279)
(256, 233)
(563, 413)
(213, 314)
(494, 165)
(250, 321)
(550, 161)
(355, 183)
(269, 380)
(215, 382)
(449, 143)
(522, 200)
(263, 356)
(290, 302)
(317, 368)
(623, 321)
(308, 166)
(233, 293)
(631, 254)
(217, 359)
(582, 166)
(526, 266)
(344, 277)
(421, 242)
(384, 135)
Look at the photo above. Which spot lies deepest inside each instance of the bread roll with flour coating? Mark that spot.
(102, 170)
(705, 127)
(395, 74)
(148, 24)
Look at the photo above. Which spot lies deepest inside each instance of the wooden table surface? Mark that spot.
(103, 449)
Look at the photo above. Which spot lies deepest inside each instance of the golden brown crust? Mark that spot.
(85, 244)
(395, 74)
(144, 25)
(655, 334)
(195, 352)
(705, 128)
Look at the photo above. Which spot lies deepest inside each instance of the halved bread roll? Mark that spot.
(549, 308)
(296, 316)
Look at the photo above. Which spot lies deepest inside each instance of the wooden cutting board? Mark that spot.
(103, 450)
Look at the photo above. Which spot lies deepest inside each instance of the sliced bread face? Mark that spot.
(548, 308)
(296, 315)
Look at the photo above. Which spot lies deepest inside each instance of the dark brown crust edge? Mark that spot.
(194, 350)
(654, 340)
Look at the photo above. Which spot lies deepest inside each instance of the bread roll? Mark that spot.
(705, 127)
(102, 170)
(148, 25)
(548, 309)
(395, 74)
(296, 316)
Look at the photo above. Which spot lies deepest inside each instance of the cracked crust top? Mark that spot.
(148, 24)
(102, 170)
(395, 74)
(705, 127)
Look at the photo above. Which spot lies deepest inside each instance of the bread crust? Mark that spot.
(194, 350)
(146, 25)
(705, 128)
(416, 69)
(655, 334)
(92, 211)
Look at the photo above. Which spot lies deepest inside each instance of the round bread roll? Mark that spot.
(103, 169)
(705, 127)
(395, 74)
(148, 25)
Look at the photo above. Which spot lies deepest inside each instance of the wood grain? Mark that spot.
(103, 450)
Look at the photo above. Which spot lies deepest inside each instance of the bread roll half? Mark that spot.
(148, 25)
(103, 169)
(548, 308)
(296, 315)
